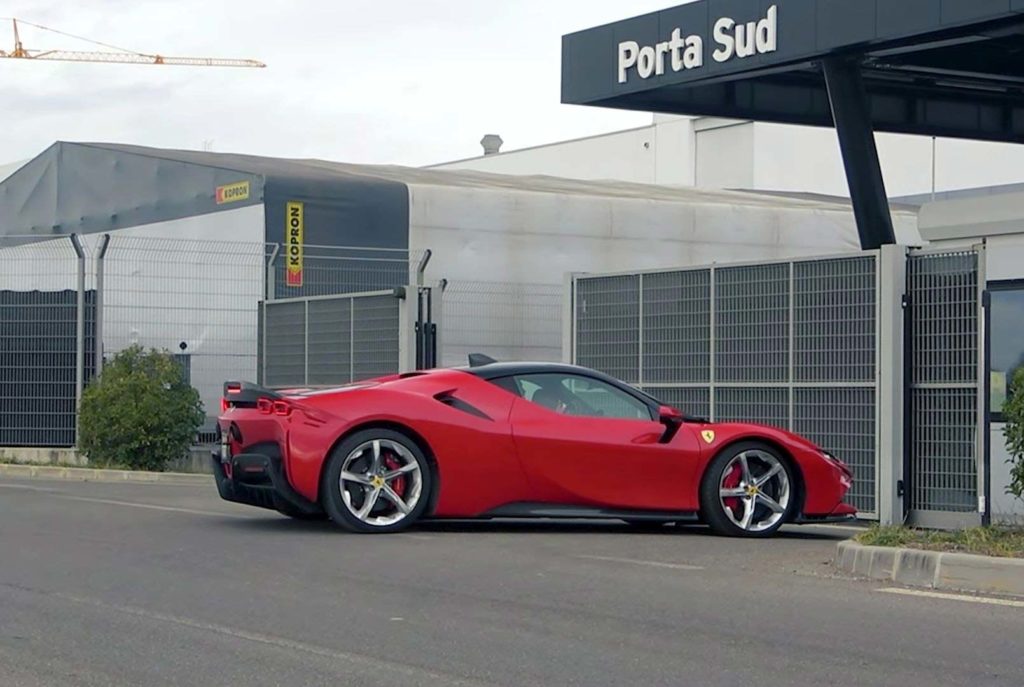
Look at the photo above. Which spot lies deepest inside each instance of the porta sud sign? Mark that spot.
(681, 52)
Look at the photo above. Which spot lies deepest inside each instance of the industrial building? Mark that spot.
(285, 271)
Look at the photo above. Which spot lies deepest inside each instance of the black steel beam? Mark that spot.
(860, 155)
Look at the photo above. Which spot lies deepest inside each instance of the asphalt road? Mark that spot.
(140, 585)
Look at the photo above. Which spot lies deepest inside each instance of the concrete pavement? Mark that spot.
(162, 584)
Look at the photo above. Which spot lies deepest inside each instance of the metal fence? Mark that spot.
(47, 329)
(792, 344)
(68, 303)
(329, 340)
(944, 293)
(507, 321)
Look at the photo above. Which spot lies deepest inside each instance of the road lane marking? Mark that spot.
(953, 597)
(128, 504)
(150, 506)
(372, 663)
(649, 564)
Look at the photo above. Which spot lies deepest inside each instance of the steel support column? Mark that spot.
(860, 154)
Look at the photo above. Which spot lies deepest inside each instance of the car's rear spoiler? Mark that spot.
(246, 394)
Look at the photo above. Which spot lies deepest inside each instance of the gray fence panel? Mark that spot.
(317, 342)
(285, 346)
(752, 323)
(836, 321)
(608, 326)
(843, 421)
(677, 327)
(375, 337)
(330, 341)
(943, 290)
(694, 401)
(764, 405)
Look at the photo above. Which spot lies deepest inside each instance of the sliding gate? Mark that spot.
(792, 344)
(946, 404)
(336, 340)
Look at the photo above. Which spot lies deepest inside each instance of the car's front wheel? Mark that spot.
(377, 481)
(748, 491)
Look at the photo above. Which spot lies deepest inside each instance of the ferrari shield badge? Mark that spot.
(708, 435)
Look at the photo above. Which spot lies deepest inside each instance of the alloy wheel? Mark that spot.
(755, 491)
(381, 482)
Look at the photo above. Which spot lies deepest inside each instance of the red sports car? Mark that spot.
(514, 440)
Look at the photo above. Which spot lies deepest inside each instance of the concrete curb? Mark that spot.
(95, 475)
(933, 569)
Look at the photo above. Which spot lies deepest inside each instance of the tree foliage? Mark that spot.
(139, 413)
(1013, 410)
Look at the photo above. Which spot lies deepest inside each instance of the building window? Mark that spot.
(1006, 316)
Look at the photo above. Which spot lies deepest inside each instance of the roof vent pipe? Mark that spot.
(492, 144)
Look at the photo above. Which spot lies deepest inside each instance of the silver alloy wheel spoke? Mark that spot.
(368, 503)
(749, 506)
(405, 469)
(358, 479)
(389, 493)
(734, 493)
(771, 503)
(763, 479)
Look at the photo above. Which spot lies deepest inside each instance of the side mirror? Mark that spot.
(672, 419)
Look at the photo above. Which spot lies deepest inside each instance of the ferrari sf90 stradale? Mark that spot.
(514, 440)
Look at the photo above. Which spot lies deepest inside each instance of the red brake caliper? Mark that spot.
(390, 463)
(731, 481)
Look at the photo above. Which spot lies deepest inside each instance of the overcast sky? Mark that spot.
(380, 81)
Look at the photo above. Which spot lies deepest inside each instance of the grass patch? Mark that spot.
(1002, 542)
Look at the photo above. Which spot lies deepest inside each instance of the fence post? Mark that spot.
(79, 330)
(889, 376)
(98, 323)
(422, 267)
(270, 290)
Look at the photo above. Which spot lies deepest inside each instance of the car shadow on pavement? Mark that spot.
(524, 527)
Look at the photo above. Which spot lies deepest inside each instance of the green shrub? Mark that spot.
(140, 413)
(1013, 410)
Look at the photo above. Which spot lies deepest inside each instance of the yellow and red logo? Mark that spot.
(708, 435)
(294, 229)
(232, 193)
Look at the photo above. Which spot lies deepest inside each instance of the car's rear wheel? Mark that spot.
(377, 481)
(748, 491)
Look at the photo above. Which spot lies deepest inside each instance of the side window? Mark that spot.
(581, 396)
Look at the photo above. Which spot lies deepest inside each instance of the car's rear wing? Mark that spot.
(246, 394)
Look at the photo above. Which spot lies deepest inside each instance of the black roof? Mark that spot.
(499, 370)
(932, 67)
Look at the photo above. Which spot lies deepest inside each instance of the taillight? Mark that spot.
(224, 405)
(264, 406)
(281, 408)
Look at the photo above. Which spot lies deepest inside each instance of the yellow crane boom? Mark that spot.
(121, 56)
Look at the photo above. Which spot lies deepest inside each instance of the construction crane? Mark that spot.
(121, 56)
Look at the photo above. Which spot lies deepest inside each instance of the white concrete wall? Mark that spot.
(725, 155)
(759, 156)
(631, 154)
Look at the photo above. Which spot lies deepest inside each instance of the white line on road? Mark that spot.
(649, 564)
(149, 506)
(954, 597)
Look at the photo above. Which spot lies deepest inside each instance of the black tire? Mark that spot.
(712, 510)
(333, 500)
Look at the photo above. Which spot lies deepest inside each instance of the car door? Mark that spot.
(583, 441)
